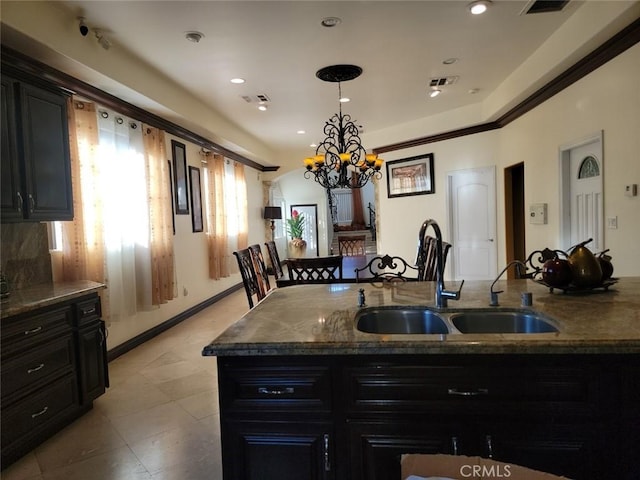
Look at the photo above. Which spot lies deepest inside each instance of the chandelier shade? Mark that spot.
(340, 160)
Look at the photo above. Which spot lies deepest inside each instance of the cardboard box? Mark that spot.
(460, 467)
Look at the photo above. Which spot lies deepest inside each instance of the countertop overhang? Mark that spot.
(320, 320)
(37, 296)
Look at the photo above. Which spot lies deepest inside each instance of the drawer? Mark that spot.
(48, 361)
(29, 417)
(88, 311)
(455, 388)
(20, 333)
(286, 388)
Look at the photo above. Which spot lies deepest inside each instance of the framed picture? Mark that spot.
(173, 213)
(196, 199)
(180, 177)
(410, 176)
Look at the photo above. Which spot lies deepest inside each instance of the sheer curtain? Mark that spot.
(121, 170)
(161, 257)
(242, 208)
(217, 240)
(82, 240)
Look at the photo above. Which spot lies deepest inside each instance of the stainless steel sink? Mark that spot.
(400, 320)
(501, 322)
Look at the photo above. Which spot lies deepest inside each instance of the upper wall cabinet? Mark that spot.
(36, 167)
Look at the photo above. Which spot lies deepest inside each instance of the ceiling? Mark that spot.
(277, 47)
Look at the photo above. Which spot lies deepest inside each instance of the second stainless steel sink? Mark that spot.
(501, 322)
(400, 320)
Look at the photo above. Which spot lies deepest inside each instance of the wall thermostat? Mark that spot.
(631, 190)
(538, 213)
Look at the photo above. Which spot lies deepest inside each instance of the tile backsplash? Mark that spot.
(24, 254)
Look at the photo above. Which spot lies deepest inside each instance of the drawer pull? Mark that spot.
(468, 393)
(41, 412)
(35, 369)
(35, 330)
(89, 311)
(276, 390)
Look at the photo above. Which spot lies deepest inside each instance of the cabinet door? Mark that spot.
(10, 192)
(277, 450)
(562, 449)
(93, 366)
(47, 167)
(376, 447)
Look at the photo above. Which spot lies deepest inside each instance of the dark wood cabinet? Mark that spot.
(53, 365)
(36, 167)
(562, 414)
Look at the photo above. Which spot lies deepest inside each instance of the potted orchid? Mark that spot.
(295, 228)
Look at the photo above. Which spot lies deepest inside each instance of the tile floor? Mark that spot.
(158, 421)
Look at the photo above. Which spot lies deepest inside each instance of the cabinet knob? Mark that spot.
(489, 446)
(32, 203)
(276, 390)
(34, 330)
(468, 393)
(35, 369)
(327, 463)
(41, 412)
(20, 201)
(454, 445)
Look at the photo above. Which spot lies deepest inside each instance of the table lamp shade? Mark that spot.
(272, 213)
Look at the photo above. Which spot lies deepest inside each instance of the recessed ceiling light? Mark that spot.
(435, 92)
(301, 132)
(313, 145)
(479, 7)
(330, 22)
(345, 99)
(473, 91)
(237, 80)
(262, 107)
(450, 61)
(194, 37)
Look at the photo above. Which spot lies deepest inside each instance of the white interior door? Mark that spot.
(586, 195)
(472, 207)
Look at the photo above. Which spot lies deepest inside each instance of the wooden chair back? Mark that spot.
(315, 269)
(426, 260)
(261, 269)
(248, 273)
(387, 269)
(272, 250)
(352, 245)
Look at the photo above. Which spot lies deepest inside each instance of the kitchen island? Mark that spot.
(304, 394)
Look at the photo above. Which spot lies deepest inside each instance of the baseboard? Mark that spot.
(138, 340)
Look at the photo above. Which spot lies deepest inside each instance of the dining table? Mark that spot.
(349, 265)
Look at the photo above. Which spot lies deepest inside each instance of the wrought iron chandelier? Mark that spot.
(340, 160)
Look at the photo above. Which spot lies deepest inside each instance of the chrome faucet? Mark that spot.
(442, 295)
(526, 296)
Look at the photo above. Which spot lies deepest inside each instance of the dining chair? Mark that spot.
(261, 269)
(352, 245)
(387, 268)
(272, 250)
(315, 269)
(248, 273)
(427, 255)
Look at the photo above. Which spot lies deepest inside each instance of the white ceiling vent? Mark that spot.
(442, 81)
(260, 98)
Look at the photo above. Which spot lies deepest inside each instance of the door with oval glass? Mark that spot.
(582, 197)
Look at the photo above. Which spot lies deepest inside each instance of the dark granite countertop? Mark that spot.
(319, 320)
(42, 295)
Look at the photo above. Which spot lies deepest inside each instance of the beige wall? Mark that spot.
(607, 100)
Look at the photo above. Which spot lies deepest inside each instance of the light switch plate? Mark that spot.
(612, 222)
(538, 213)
